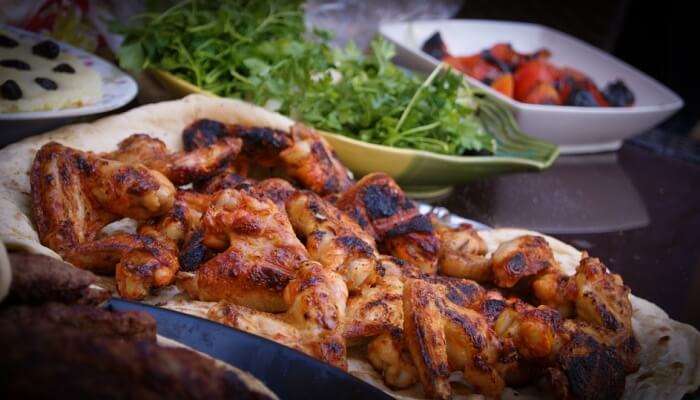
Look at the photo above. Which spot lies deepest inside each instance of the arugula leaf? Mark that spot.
(261, 51)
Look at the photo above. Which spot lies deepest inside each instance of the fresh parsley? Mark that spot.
(262, 52)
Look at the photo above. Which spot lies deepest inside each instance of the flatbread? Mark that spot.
(670, 349)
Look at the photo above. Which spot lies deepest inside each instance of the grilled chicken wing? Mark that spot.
(312, 161)
(260, 253)
(316, 301)
(75, 194)
(462, 252)
(380, 207)
(332, 238)
(519, 258)
(443, 336)
(181, 167)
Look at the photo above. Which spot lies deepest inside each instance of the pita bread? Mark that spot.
(670, 349)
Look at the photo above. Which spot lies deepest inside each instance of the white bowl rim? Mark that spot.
(672, 105)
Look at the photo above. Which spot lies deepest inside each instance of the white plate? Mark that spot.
(118, 89)
(575, 129)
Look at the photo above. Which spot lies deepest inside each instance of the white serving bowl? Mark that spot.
(574, 129)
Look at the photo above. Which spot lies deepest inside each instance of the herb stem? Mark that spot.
(425, 84)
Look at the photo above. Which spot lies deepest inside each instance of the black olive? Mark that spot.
(46, 49)
(17, 64)
(46, 83)
(489, 58)
(10, 90)
(6, 41)
(618, 94)
(581, 98)
(435, 46)
(65, 68)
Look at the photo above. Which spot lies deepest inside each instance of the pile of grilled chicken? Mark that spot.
(318, 262)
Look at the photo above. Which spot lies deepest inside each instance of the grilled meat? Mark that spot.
(45, 358)
(97, 322)
(312, 161)
(39, 279)
(380, 207)
(332, 238)
(180, 167)
(259, 253)
(75, 194)
(313, 322)
(462, 252)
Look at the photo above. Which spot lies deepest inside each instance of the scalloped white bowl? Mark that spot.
(574, 129)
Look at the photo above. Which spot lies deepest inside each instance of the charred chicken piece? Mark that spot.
(388, 353)
(443, 337)
(577, 360)
(520, 258)
(602, 300)
(180, 167)
(140, 262)
(259, 253)
(312, 161)
(332, 238)
(380, 207)
(75, 194)
(462, 252)
(226, 179)
(39, 279)
(313, 322)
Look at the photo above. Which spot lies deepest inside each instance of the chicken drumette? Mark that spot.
(315, 300)
(259, 253)
(380, 207)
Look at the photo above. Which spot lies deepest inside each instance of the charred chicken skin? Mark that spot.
(315, 299)
(380, 207)
(180, 167)
(305, 267)
(462, 252)
(75, 194)
(259, 253)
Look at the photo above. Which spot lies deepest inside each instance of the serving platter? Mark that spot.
(118, 89)
(574, 129)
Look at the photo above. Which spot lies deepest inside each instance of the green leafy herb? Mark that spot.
(261, 51)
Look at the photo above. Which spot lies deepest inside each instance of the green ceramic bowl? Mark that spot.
(422, 173)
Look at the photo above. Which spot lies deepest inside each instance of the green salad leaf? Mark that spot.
(261, 51)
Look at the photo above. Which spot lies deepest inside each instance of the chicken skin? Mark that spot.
(312, 161)
(302, 153)
(519, 258)
(332, 238)
(259, 253)
(315, 300)
(75, 194)
(180, 167)
(443, 336)
(462, 252)
(380, 207)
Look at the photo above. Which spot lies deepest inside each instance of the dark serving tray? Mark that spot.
(289, 373)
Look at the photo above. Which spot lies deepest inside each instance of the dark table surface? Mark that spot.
(636, 210)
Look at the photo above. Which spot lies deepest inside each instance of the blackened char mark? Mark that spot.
(380, 201)
(203, 133)
(193, 252)
(418, 224)
(262, 142)
(593, 370)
